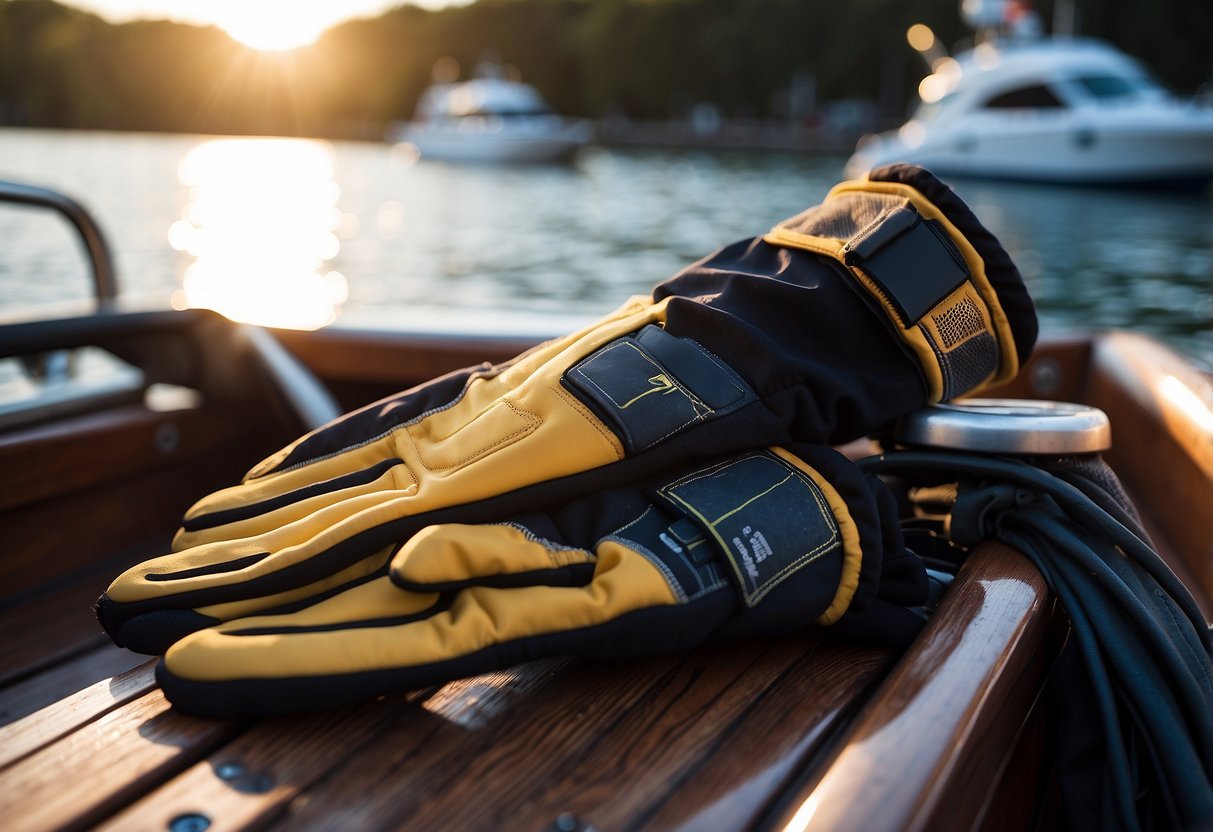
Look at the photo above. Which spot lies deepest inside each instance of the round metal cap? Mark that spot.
(1008, 426)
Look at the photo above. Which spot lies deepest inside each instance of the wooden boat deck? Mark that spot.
(801, 732)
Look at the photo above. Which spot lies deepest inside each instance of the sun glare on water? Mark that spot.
(261, 225)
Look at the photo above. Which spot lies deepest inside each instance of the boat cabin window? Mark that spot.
(1035, 97)
(1106, 87)
(504, 112)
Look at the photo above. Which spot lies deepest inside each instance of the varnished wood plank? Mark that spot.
(253, 777)
(69, 713)
(607, 743)
(937, 734)
(780, 734)
(622, 777)
(77, 780)
(45, 538)
(459, 760)
(430, 749)
(63, 680)
(44, 629)
(49, 539)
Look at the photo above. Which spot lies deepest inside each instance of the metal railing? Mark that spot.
(105, 281)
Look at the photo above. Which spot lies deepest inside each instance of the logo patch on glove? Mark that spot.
(767, 517)
(651, 385)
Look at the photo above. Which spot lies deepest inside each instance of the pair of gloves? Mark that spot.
(656, 480)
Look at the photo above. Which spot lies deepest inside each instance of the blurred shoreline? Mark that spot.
(733, 134)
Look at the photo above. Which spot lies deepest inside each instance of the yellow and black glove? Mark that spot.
(887, 296)
(762, 543)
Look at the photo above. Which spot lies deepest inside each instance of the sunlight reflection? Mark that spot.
(262, 221)
(1191, 404)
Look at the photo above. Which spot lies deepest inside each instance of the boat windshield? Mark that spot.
(1111, 87)
(503, 112)
(481, 98)
(1030, 96)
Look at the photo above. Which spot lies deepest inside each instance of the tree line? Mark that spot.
(642, 59)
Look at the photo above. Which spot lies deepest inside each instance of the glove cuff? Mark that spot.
(946, 287)
(787, 539)
(1000, 271)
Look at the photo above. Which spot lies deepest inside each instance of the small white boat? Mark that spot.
(490, 119)
(1064, 110)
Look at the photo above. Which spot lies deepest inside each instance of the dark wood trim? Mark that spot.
(91, 450)
(396, 359)
(78, 780)
(93, 665)
(937, 735)
(70, 713)
(1057, 370)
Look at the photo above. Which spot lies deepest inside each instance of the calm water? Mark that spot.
(298, 232)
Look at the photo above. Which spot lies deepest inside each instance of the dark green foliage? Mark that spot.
(640, 58)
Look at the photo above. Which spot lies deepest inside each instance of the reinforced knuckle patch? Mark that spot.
(765, 515)
(651, 385)
(845, 216)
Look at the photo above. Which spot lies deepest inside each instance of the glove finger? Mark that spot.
(419, 430)
(378, 638)
(285, 558)
(471, 451)
(788, 550)
(258, 508)
(263, 560)
(453, 555)
(153, 631)
(179, 593)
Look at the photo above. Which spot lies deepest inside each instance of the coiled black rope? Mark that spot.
(1136, 738)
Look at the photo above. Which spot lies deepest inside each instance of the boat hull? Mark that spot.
(495, 141)
(1074, 152)
(1067, 111)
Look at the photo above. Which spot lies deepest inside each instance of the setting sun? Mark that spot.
(273, 25)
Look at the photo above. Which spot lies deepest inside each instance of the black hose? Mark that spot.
(1140, 640)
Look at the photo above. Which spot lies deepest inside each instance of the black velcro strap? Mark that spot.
(651, 385)
(911, 258)
(766, 515)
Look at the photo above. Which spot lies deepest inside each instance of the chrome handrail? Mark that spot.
(105, 281)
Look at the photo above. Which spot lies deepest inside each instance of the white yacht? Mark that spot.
(1063, 110)
(490, 119)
